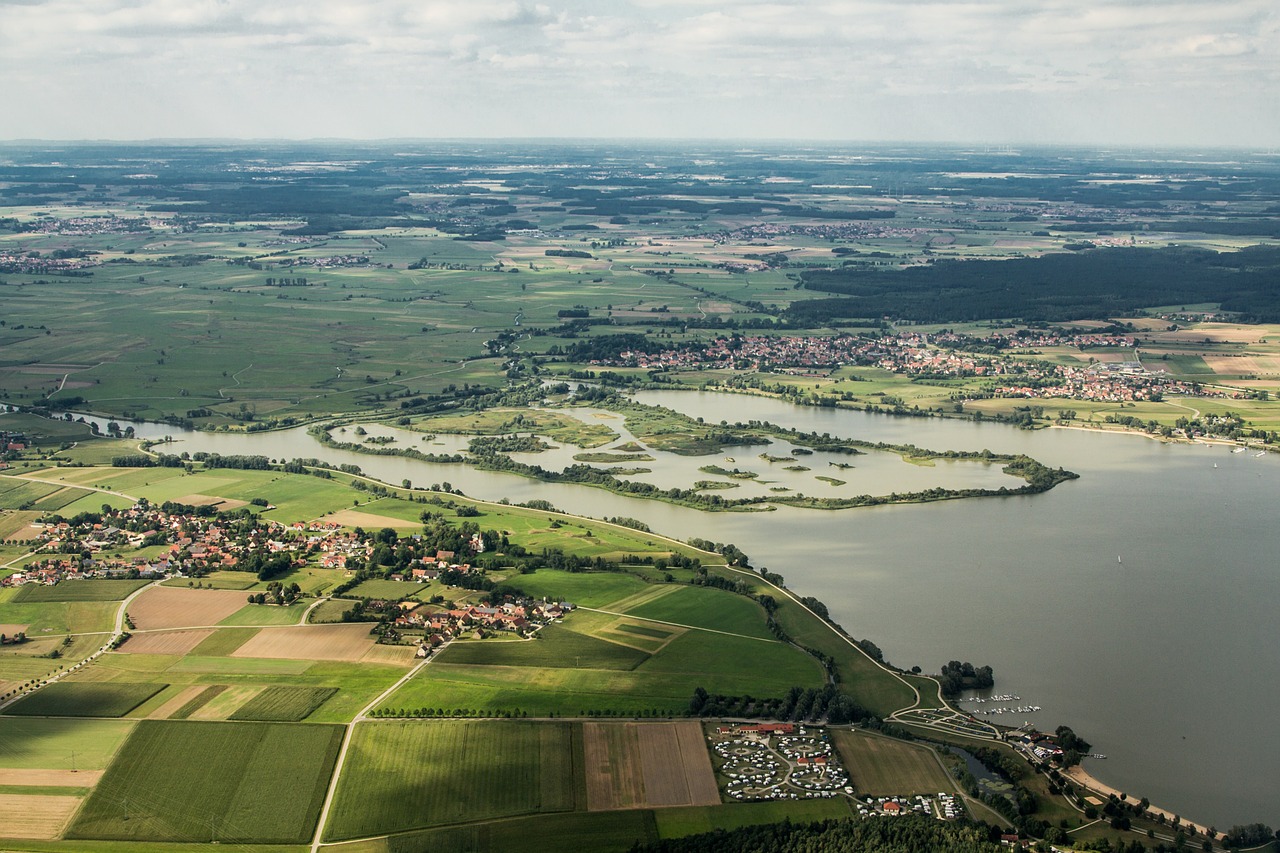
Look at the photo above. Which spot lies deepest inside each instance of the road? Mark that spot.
(346, 742)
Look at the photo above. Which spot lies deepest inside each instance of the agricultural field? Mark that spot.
(234, 783)
(78, 590)
(395, 771)
(350, 642)
(635, 765)
(51, 744)
(568, 672)
(703, 607)
(882, 766)
(85, 699)
(284, 704)
(165, 642)
(169, 607)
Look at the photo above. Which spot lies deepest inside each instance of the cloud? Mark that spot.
(838, 67)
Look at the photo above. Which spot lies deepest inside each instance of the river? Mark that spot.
(1136, 604)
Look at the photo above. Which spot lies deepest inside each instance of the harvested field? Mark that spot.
(42, 817)
(35, 778)
(15, 525)
(9, 629)
(165, 643)
(211, 500)
(369, 521)
(647, 765)
(167, 607)
(380, 653)
(881, 766)
(1259, 365)
(349, 642)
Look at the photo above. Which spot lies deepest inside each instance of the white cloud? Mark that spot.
(846, 68)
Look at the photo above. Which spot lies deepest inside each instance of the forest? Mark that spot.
(1090, 284)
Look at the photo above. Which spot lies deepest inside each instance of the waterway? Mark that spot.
(1136, 604)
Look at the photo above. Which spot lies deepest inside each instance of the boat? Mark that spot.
(1118, 560)
(1259, 454)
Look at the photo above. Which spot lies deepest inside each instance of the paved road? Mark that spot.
(346, 742)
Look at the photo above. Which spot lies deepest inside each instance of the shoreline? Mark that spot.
(1086, 780)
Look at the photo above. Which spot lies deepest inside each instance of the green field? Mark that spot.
(267, 614)
(587, 589)
(60, 744)
(217, 580)
(223, 642)
(882, 766)
(554, 646)
(85, 699)
(597, 832)
(87, 590)
(706, 607)
(676, 823)
(391, 590)
(408, 775)
(284, 704)
(195, 703)
(226, 782)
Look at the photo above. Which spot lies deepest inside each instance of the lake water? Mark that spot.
(1136, 604)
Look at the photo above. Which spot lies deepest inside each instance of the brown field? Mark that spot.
(50, 778)
(10, 630)
(212, 500)
(42, 817)
(1256, 364)
(369, 521)
(1218, 333)
(165, 643)
(390, 654)
(16, 525)
(647, 765)
(309, 642)
(181, 698)
(881, 766)
(174, 607)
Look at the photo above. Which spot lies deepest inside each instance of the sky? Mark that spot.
(1090, 72)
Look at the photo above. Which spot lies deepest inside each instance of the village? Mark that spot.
(939, 356)
(178, 541)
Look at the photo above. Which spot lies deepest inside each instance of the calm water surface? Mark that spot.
(1136, 604)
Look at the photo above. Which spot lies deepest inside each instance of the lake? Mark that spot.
(1136, 604)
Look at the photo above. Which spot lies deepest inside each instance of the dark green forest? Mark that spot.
(1093, 284)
